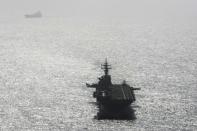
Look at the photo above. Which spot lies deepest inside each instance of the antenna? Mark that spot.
(106, 67)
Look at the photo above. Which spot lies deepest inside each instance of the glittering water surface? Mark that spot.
(45, 63)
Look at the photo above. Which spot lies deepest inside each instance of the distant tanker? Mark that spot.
(34, 15)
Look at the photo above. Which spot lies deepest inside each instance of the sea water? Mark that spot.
(45, 63)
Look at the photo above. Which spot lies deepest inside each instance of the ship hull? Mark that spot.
(115, 103)
(30, 16)
(115, 111)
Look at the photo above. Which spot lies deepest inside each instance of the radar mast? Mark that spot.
(106, 67)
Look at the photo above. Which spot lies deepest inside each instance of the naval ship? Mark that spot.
(112, 97)
(37, 14)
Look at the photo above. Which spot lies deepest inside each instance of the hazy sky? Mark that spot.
(102, 8)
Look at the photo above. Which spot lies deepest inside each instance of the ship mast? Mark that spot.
(106, 67)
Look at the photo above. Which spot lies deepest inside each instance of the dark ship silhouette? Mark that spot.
(113, 100)
(37, 14)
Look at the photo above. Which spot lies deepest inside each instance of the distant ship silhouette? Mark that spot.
(37, 14)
